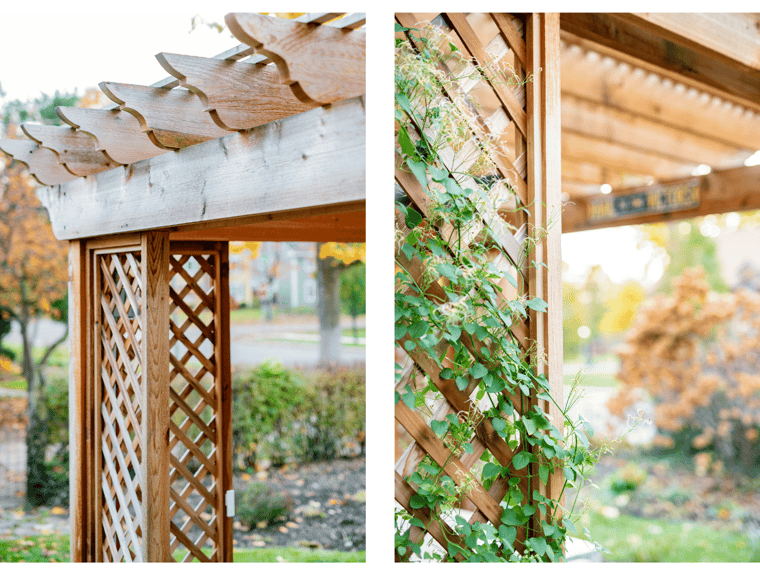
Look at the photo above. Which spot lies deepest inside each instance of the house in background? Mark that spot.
(281, 274)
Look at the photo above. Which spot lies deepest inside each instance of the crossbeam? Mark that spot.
(733, 190)
(313, 159)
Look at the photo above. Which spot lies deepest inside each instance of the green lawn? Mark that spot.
(16, 382)
(55, 549)
(633, 539)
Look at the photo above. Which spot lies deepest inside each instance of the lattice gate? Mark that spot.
(160, 463)
(525, 119)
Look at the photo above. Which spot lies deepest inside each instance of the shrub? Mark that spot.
(265, 401)
(283, 415)
(333, 415)
(261, 502)
(697, 354)
(629, 478)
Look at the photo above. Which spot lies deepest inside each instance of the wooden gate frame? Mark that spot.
(266, 143)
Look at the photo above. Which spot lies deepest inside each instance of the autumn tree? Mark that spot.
(33, 280)
(33, 277)
(696, 353)
(332, 259)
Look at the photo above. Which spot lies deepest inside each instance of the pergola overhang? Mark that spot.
(649, 100)
(263, 142)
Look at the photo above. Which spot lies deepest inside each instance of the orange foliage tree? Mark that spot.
(697, 354)
(32, 284)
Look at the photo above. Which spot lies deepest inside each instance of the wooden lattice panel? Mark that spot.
(121, 404)
(506, 113)
(195, 489)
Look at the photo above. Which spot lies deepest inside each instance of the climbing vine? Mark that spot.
(457, 314)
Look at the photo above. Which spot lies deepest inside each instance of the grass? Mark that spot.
(633, 539)
(15, 382)
(39, 549)
(594, 380)
(55, 549)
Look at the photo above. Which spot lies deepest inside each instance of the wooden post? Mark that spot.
(155, 382)
(78, 408)
(544, 171)
(224, 396)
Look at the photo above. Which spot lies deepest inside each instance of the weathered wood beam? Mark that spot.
(583, 117)
(117, 133)
(732, 38)
(321, 64)
(308, 160)
(720, 191)
(236, 94)
(667, 48)
(341, 227)
(172, 118)
(622, 158)
(616, 85)
(76, 151)
(42, 163)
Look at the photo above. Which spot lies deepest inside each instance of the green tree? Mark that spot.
(353, 292)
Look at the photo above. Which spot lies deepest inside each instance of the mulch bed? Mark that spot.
(328, 511)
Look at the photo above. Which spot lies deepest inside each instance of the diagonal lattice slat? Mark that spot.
(121, 410)
(193, 411)
(496, 41)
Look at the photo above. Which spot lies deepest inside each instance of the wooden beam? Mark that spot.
(733, 39)
(321, 64)
(669, 49)
(603, 78)
(314, 159)
(236, 94)
(342, 227)
(155, 390)
(172, 118)
(118, 134)
(583, 117)
(42, 162)
(720, 191)
(622, 158)
(76, 151)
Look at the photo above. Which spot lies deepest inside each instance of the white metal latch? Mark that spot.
(229, 502)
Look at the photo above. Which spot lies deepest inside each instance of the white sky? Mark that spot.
(45, 52)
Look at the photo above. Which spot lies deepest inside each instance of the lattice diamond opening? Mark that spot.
(121, 409)
(194, 479)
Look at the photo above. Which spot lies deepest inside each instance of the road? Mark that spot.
(292, 342)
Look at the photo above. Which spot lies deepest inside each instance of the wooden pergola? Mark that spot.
(660, 111)
(264, 142)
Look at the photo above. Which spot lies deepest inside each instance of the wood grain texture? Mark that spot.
(721, 191)
(155, 380)
(674, 53)
(78, 462)
(544, 181)
(342, 227)
(224, 394)
(172, 118)
(42, 162)
(75, 150)
(315, 159)
(321, 64)
(118, 134)
(237, 95)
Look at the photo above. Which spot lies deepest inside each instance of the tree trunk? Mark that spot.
(328, 310)
(36, 430)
